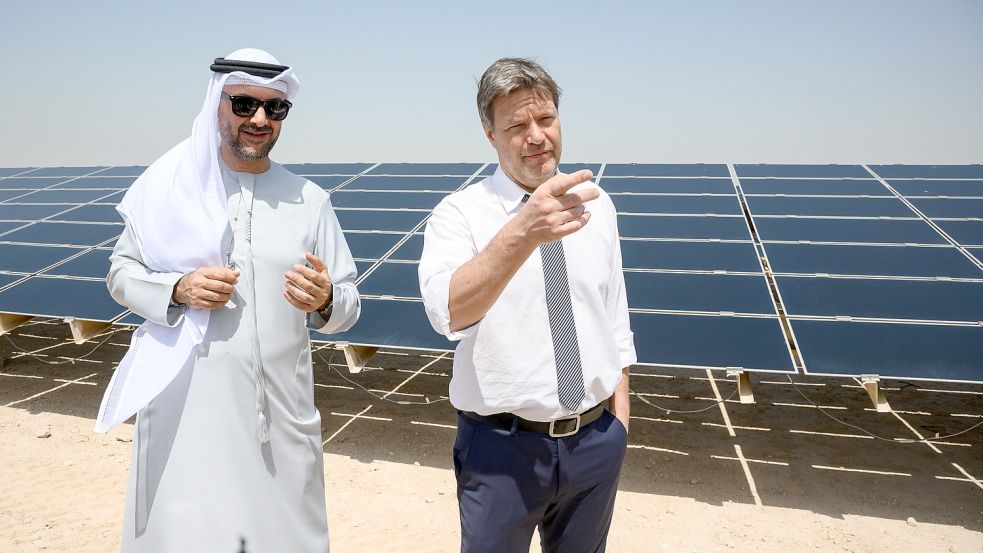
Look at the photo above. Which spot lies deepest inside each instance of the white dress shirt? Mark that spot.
(505, 361)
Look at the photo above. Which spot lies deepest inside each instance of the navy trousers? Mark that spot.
(509, 483)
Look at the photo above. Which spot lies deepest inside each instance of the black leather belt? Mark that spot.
(558, 428)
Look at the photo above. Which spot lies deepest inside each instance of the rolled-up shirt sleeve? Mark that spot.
(332, 248)
(145, 292)
(447, 244)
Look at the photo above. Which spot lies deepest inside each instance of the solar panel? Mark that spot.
(8, 171)
(967, 233)
(809, 171)
(83, 299)
(938, 187)
(683, 227)
(379, 182)
(929, 171)
(710, 341)
(665, 170)
(828, 207)
(817, 187)
(883, 299)
(679, 205)
(905, 261)
(667, 185)
(909, 351)
(860, 231)
(698, 296)
(64, 233)
(689, 256)
(950, 208)
(699, 292)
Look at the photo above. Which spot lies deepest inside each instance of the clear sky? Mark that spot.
(879, 81)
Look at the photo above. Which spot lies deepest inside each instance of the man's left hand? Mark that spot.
(308, 289)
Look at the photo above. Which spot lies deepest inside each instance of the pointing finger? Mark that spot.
(560, 184)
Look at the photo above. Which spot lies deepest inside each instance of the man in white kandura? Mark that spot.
(231, 259)
(524, 268)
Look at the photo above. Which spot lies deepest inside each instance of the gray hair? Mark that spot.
(508, 75)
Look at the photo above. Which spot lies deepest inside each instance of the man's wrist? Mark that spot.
(174, 294)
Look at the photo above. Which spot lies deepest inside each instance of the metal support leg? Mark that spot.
(357, 356)
(83, 330)
(743, 381)
(10, 321)
(871, 383)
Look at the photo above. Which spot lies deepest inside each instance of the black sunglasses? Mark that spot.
(245, 106)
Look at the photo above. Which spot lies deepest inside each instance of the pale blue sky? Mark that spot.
(118, 83)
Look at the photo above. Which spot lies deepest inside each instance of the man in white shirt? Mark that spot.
(536, 296)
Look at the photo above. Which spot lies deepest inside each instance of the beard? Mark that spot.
(240, 149)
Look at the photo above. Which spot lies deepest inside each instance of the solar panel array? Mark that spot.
(875, 269)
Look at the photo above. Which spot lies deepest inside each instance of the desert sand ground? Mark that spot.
(774, 476)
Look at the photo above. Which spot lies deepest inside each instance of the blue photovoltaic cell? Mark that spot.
(379, 220)
(308, 169)
(931, 352)
(28, 183)
(65, 234)
(392, 279)
(131, 319)
(699, 292)
(370, 245)
(92, 213)
(7, 226)
(964, 232)
(8, 171)
(103, 183)
(938, 187)
(668, 185)
(392, 323)
(411, 250)
(93, 264)
(829, 207)
(711, 341)
(366, 199)
(950, 208)
(376, 182)
(810, 171)
(683, 226)
(819, 187)
(665, 170)
(871, 260)
(128, 171)
(7, 279)
(362, 266)
(8, 194)
(63, 196)
(30, 259)
(459, 169)
(28, 212)
(884, 299)
(329, 182)
(63, 171)
(59, 297)
(690, 256)
(847, 230)
(694, 205)
(574, 167)
(929, 171)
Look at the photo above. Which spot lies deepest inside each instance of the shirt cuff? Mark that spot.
(436, 302)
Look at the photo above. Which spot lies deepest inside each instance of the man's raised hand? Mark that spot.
(308, 289)
(206, 288)
(552, 211)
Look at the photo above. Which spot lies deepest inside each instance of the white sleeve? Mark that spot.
(447, 244)
(616, 302)
(331, 247)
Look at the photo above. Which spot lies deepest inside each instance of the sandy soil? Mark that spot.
(774, 476)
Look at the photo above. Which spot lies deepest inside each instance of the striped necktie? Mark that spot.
(566, 348)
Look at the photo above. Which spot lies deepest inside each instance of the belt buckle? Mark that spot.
(554, 434)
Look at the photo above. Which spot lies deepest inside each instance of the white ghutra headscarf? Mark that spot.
(177, 209)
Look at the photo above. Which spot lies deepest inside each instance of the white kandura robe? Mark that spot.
(200, 480)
